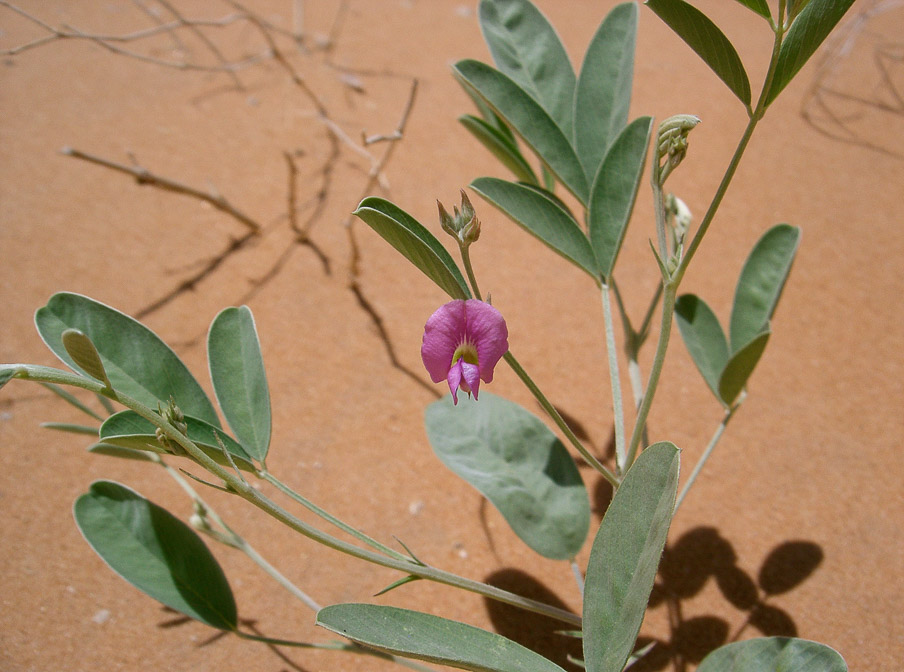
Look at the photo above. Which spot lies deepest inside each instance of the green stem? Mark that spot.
(755, 117)
(276, 575)
(706, 453)
(466, 260)
(560, 422)
(665, 329)
(373, 543)
(239, 486)
(238, 542)
(656, 180)
(671, 284)
(617, 409)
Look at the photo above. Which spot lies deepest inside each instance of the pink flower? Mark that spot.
(463, 341)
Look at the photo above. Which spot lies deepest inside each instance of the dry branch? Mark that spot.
(144, 177)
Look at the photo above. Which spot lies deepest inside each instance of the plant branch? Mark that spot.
(557, 418)
(240, 487)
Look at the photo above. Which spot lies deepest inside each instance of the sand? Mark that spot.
(802, 504)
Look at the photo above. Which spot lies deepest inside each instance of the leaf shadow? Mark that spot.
(534, 631)
(702, 555)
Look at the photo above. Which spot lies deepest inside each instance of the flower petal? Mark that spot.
(471, 374)
(455, 376)
(443, 333)
(485, 329)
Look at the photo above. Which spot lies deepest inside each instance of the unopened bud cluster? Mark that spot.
(463, 225)
(672, 141)
(174, 416)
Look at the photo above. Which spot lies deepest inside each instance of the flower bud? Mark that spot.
(174, 416)
(672, 140)
(678, 215)
(464, 225)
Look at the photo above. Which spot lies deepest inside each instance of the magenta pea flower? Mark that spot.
(463, 341)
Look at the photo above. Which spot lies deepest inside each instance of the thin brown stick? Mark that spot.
(372, 179)
(144, 177)
(191, 282)
(110, 42)
(277, 56)
(197, 32)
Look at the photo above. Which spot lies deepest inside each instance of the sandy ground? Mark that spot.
(809, 474)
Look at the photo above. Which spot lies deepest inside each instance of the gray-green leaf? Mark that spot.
(771, 654)
(155, 552)
(526, 48)
(761, 282)
(239, 379)
(416, 243)
(413, 634)
(501, 146)
(603, 93)
(528, 118)
(541, 216)
(809, 29)
(118, 451)
(625, 558)
(127, 429)
(704, 338)
(710, 43)
(513, 459)
(739, 367)
(615, 191)
(137, 362)
(83, 353)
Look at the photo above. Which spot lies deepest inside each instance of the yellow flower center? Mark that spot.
(467, 352)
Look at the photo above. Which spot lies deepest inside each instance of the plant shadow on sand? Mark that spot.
(700, 555)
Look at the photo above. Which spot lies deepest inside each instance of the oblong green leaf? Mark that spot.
(239, 380)
(529, 120)
(416, 244)
(70, 427)
(614, 192)
(83, 353)
(809, 29)
(127, 429)
(759, 6)
(118, 451)
(517, 463)
(704, 338)
(705, 38)
(603, 93)
(413, 634)
(625, 557)
(136, 361)
(155, 552)
(739, 367)
(69, 398)
(761, 282)
(540, 216)
(501, 147)
(774, 653)
(526, 48)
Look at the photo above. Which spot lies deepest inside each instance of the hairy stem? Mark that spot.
(618, 412)
(236, 484)
(560, 422)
